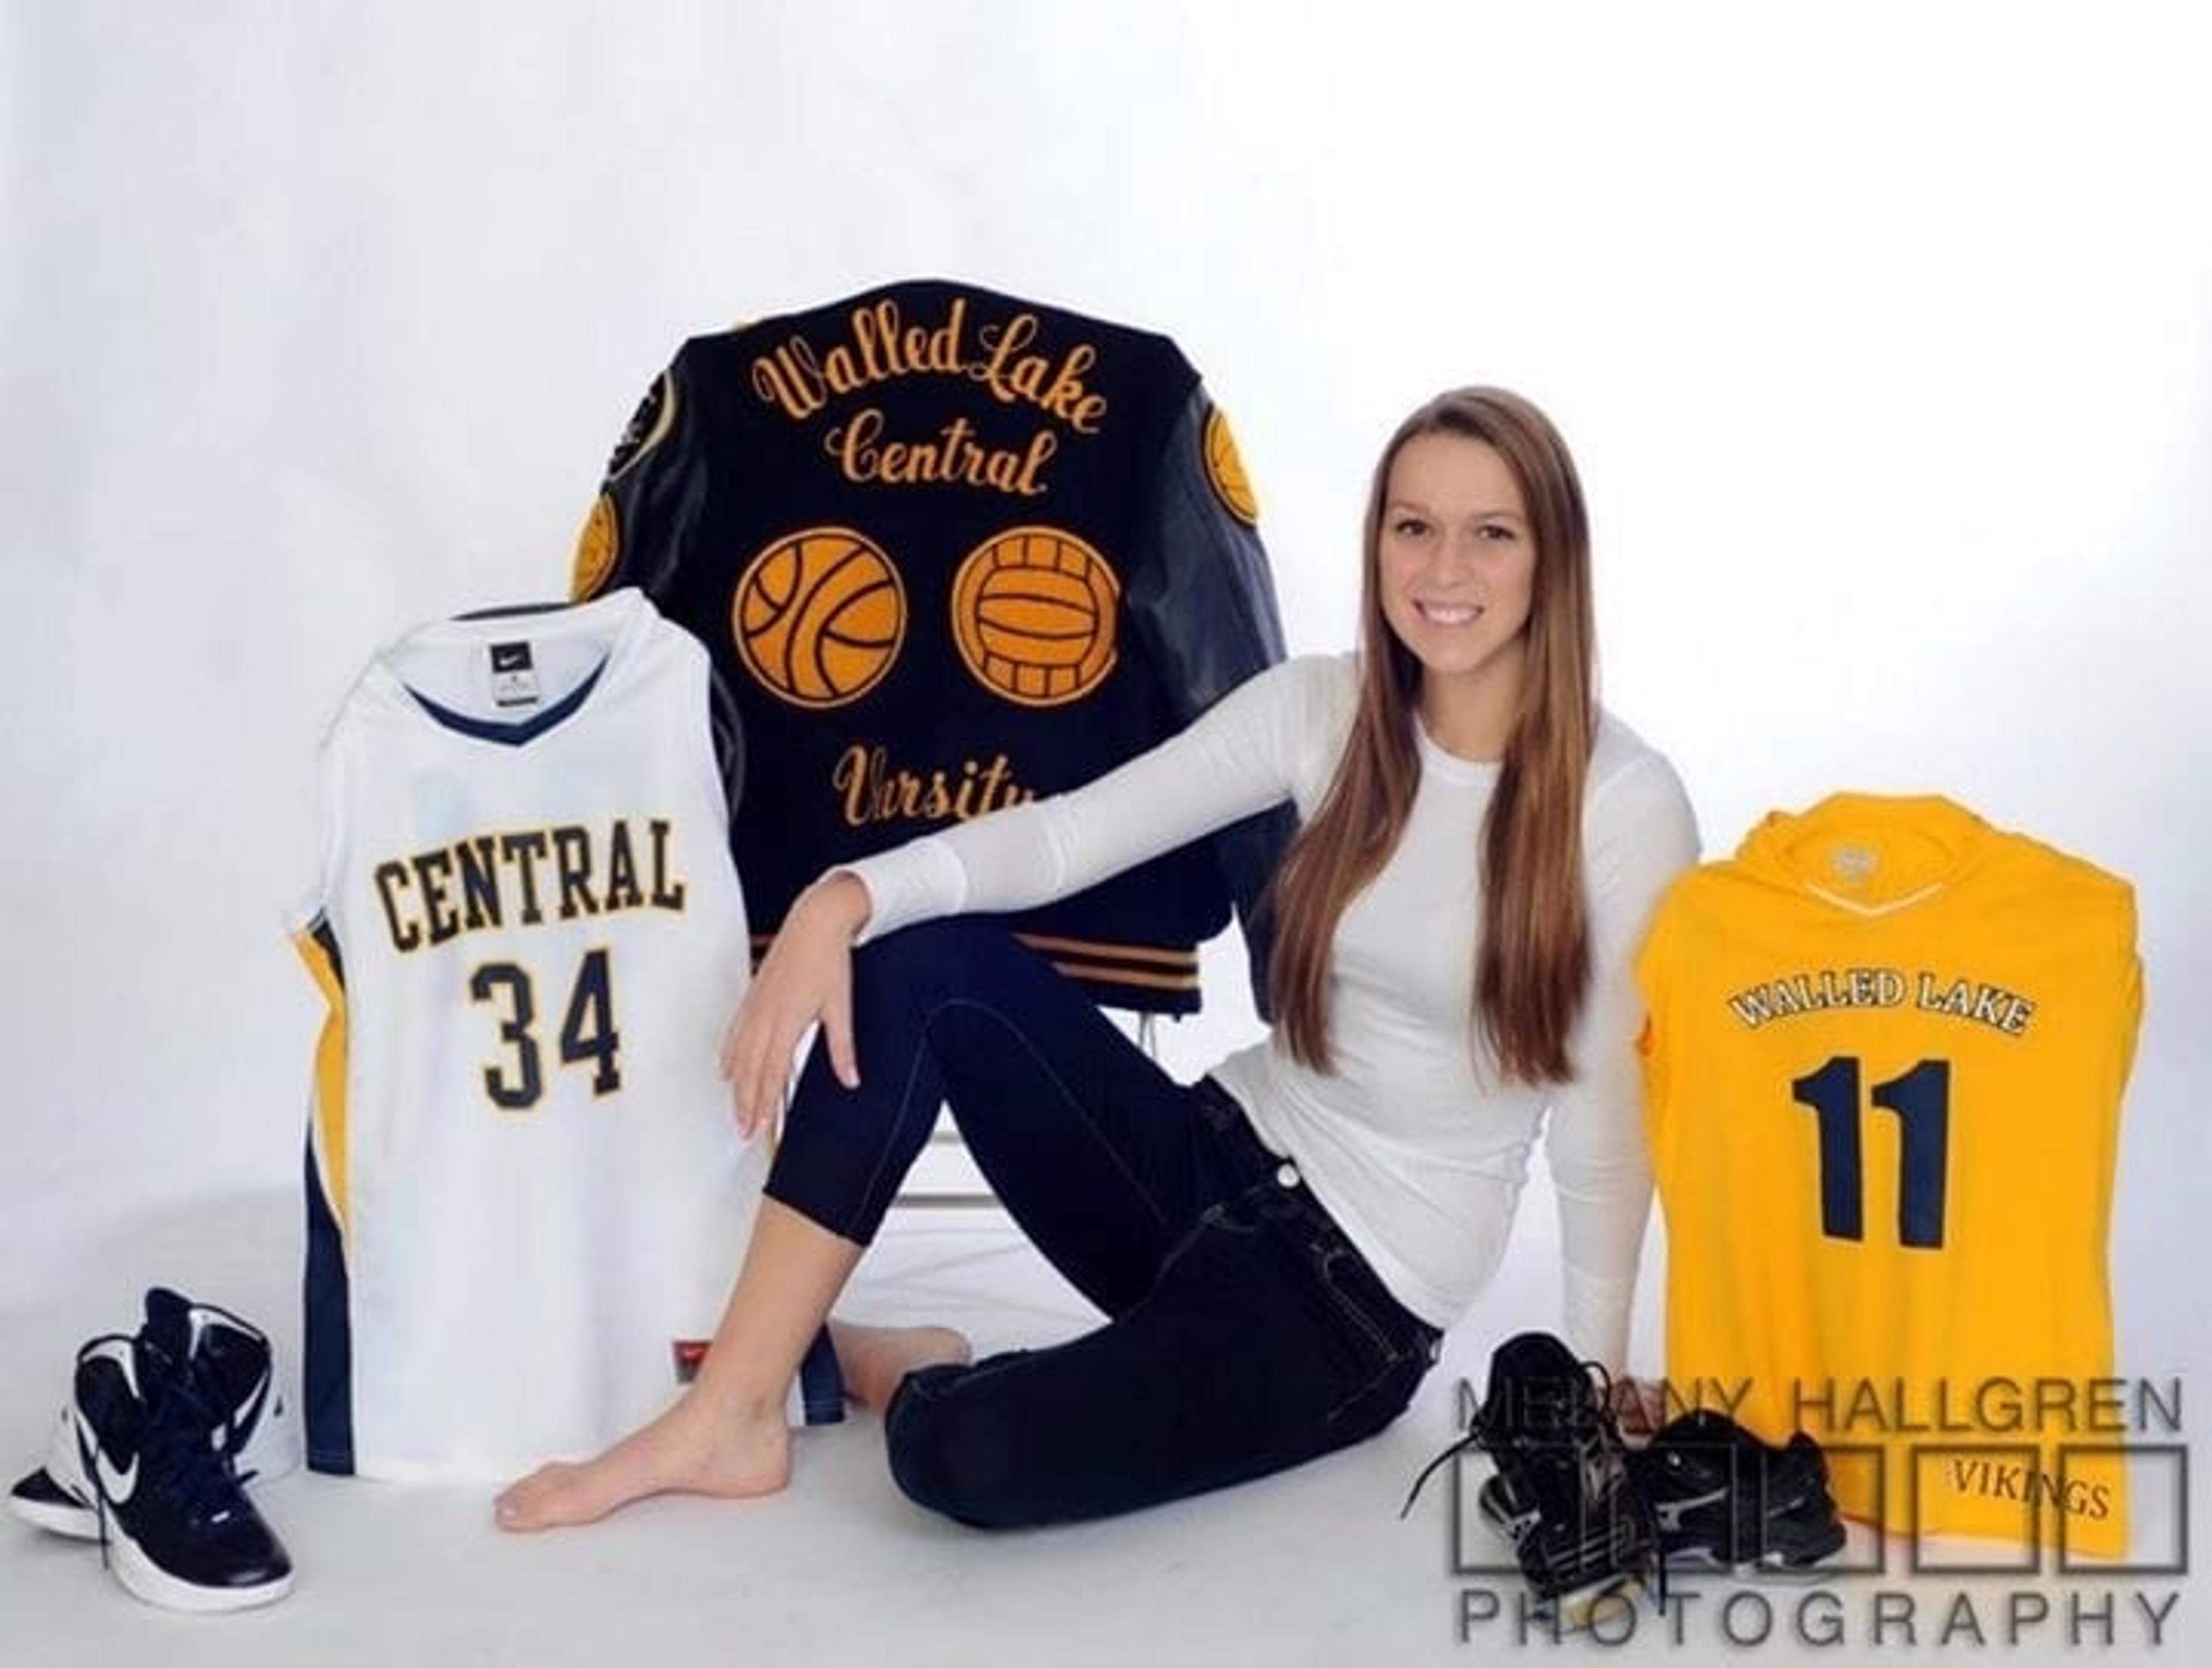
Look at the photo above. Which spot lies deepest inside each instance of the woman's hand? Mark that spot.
(1639, 1407)
(807, 975)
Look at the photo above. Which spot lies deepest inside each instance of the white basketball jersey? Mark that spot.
(525, 1189)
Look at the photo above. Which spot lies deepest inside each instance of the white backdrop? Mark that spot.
(1883, 336)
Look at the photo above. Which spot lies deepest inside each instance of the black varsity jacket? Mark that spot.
(952, 549)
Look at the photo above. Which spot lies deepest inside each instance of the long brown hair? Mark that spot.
(1532, 957)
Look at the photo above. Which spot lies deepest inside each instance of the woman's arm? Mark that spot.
(1237, 757)
(1639, 834)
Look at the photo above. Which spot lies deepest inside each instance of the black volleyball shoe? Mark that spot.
(176, 1529)
(233, 1370)
(1722, 1498)
(1562, 1494)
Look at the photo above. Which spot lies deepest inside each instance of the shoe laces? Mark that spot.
(183, 1465)
(1499, 1426)
(1578, 1434)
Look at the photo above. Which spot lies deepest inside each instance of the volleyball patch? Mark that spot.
(1035, 612)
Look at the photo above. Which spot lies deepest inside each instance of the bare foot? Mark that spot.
(693, 1448)
(873, 1358)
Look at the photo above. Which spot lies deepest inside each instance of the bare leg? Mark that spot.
(726, 1435)
(873, 1358)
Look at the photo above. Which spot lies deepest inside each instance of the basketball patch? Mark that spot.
(1034, 612)
(1224, 470)
(596, 547)
(818, 616)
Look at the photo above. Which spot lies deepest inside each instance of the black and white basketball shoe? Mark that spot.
(1562, 1493)
(233, 1370)
(176, 1528)
(1722, 1498)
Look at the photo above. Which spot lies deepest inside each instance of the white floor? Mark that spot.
(1315, 1566)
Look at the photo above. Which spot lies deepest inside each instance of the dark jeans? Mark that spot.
(1244, 1334)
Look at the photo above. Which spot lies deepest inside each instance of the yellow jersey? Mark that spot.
(1883, 1062)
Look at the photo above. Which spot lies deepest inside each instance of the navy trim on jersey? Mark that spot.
(510, 610)
(326, 1390)
(320, 930)
(522, 730)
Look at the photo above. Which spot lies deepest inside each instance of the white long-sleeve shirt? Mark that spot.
(1415, 1143)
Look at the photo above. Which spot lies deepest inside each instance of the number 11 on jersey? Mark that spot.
(1922, 1101)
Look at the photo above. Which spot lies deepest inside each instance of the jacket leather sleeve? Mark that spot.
(654, 488)
(639, 526)
(728, 731)
(1205, 603)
